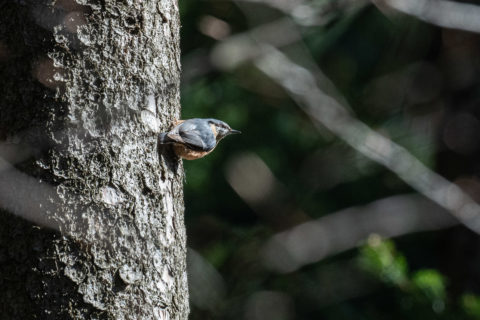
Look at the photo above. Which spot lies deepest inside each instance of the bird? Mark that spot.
(195, 138)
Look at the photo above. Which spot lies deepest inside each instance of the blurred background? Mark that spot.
(351, 193)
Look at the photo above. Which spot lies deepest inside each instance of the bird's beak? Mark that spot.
(232, 131)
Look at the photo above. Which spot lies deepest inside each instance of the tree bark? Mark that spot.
(91, 218)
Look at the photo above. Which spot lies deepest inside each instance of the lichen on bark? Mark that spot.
(92, 214)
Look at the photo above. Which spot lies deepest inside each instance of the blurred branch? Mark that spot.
(442, 13)
(326, 111)
(207, 287)
(340, 231)
(332, 113)
(26, 196)
(251, 45)
(243, 47)
(256, 184)
(306, 14)
(286, 6)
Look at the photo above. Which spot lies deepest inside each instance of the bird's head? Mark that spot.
(222, 129)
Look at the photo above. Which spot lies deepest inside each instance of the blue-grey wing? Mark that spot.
(196, 134)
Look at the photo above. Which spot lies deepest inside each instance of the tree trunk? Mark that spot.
(91, 225)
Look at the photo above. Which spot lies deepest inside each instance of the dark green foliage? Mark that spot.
(419, 294)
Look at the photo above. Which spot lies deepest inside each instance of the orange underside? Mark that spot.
(188, 154)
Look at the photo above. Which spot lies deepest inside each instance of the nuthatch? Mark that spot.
(195, 138)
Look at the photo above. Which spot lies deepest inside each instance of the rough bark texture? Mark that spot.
(91, 225)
